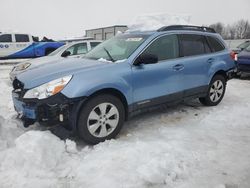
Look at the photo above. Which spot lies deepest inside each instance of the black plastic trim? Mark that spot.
(169, 99)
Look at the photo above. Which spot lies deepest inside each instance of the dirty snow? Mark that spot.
(184, 146)
(155, 21)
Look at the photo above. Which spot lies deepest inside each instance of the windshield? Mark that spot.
(117, 48)
(244, 45)
(58, 50)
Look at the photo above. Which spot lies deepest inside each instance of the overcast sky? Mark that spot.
(66, 18)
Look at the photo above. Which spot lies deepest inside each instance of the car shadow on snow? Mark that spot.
(139, 121)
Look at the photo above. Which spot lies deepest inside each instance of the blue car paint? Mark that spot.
(136, 83)
(36, 49)
(28, 112)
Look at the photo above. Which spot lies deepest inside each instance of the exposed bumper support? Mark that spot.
(54, 110)
(231, 73)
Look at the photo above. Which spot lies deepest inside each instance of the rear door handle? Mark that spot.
(178, 67)
(210, 60)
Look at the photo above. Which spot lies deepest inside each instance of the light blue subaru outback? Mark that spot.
(93, 96)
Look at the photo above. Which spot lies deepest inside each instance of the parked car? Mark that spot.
(243, 62)
(94, 95)
(242, 46)
(70, 50)
(15, 45)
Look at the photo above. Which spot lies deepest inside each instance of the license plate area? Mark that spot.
(23, 110)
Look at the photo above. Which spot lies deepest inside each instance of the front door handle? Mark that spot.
(178, 67)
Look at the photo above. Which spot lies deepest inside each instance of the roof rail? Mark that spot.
(187, 27)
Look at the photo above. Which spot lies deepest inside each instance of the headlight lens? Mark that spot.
(48, 89)
(22, 66)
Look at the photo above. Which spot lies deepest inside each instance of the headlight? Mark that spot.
(48, 89)
(22, 66)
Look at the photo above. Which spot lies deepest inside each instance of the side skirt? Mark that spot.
(167, 100)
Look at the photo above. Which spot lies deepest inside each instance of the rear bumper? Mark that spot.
(243, 67)
(54, 110)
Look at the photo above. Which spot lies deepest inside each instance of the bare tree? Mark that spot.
(218, 27)
(237, 30)
(231, 31)
(242, 29)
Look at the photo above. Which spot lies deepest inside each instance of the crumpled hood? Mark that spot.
(55, 69)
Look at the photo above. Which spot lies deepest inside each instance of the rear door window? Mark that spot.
(78, 49)
(21, 38)
(5, 38)
(215, 44)
(164, 48)
(193, 45)
(81, 49)
(94, 44)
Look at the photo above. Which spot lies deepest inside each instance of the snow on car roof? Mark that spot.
(152, 22)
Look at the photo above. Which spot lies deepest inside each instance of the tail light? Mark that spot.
(234, 56)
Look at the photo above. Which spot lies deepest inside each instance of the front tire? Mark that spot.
(100, 119)
(216, 91)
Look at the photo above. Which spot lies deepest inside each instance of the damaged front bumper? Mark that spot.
(57, 109)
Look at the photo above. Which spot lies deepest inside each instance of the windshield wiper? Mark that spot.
(110, 57)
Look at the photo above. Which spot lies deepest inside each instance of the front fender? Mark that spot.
(87, 83)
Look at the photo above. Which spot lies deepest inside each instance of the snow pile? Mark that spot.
(9, 129)
(188, 145)
(156, 21)
(39, 156)
(119, 163)
(32, 160)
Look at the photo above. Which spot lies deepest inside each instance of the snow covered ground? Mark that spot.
(185, 146)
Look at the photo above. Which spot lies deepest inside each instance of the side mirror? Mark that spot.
(65, 54)
(146, 59)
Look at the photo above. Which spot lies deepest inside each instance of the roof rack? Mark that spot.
(187, 27)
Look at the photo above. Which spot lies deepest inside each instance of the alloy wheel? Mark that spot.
(103, 120)
(216, 91)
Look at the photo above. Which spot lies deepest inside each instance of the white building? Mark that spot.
(105, 33)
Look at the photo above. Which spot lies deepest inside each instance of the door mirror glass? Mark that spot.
(66, 53)
(146, 59)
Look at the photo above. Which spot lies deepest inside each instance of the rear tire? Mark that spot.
(216, 91)
(100, 119)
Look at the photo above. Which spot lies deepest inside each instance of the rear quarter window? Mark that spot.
(94, 44)
(215, 44)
